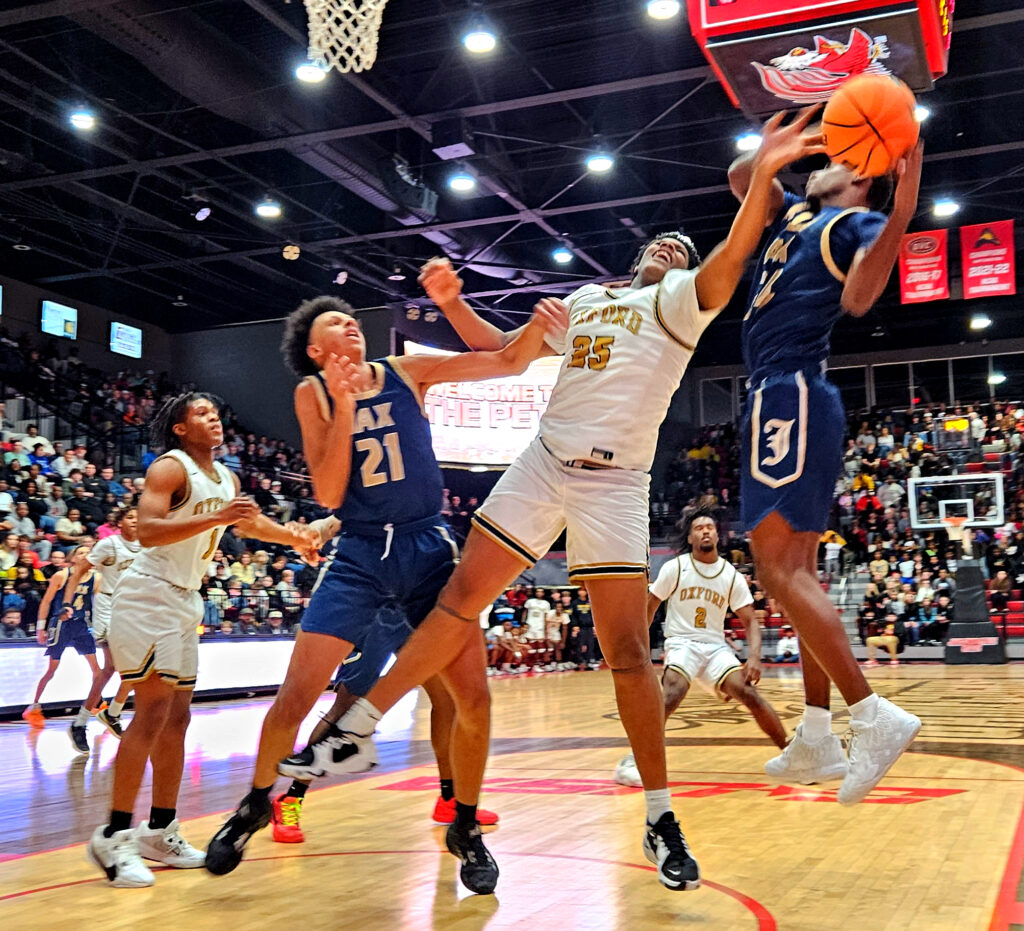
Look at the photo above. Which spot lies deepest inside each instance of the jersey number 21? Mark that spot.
(372, 469)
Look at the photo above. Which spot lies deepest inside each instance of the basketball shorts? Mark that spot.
(365, 574)
(791, 452)
(72, 633)
(101, 616)
(708, 664)
(386, 636)
(603, 511)
(154, 630)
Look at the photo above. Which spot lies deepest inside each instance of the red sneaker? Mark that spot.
(444, 813)
(285, 814)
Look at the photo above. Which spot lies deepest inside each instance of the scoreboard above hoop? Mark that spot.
(772, 54)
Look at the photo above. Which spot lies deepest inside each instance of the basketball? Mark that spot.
(869, 124)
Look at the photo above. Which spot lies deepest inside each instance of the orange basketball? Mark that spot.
(869, 124)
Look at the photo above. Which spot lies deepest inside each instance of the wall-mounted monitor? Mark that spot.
(60, 320)
(125, 340)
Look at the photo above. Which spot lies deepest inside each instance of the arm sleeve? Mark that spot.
(739, 594)
(853, 232)
(662, 586)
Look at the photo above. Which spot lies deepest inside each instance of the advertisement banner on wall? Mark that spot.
(924, 273)
(987, 250)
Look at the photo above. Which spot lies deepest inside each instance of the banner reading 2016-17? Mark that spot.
(987, 250)
(923, 267)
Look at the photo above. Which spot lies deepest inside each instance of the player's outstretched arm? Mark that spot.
(752, 667)
(165, 478)
(327, 444)
(870, 269)
(550, 315)
(43, 614)
(80, 566)
(652, 607)
(304, 539)
(780, 145)
(444, 288)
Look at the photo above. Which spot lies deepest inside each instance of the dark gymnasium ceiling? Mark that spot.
(197, 104)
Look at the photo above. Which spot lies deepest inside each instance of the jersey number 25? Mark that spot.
(581, 352)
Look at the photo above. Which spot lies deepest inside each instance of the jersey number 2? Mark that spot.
(581, 352)
(700, 618)
(370, 471)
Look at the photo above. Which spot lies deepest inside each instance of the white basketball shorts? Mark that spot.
(154, 630)
(603, 511)
(705, 663)
(100, 616)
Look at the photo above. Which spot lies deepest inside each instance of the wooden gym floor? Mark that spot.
(940, 845)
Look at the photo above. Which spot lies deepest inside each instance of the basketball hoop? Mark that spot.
(343, 33)
(955, 527)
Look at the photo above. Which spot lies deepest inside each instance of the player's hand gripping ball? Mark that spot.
(869, 124)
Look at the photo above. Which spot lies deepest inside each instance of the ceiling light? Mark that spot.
(662, 9)
(291, 252)
(341, 278)
(600, 162)
(562, 255)
(748, 142)
(921, 113)
(82, 119)
(311, 72)
(179, 301)
(22, 247)
(479, 40)
(980, 322)
(462, 182)
(397, 275)
(268, 208)
(202, 213)
(945, 208)
(996, 378)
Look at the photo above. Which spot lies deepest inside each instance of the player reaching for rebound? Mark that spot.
(699, 587)
(829, 252)
(367, 442)
(63, 621)
(110, 557)
(587, 472)
(188, 501)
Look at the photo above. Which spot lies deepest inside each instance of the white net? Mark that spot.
(343, 33)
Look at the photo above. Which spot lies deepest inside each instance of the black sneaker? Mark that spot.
(665, 846)
(479, 872)
(224, 851)
(77, 734)
(111, 722)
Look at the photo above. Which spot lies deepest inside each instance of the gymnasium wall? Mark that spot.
(22, 312)
(243, 364)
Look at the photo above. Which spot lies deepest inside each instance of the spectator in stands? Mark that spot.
(66, 463)
(17, 456)
(999, 588)
(9, 552)
(11, 628)
(274, 626)
(39, 457)
(243, 570)
(233, 543)
(938, 627)
(787, 650)
(70, 530)
(247, 626)
(89, 509)
(226, 631)
(887, 639)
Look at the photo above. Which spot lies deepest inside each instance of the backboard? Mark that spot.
(976, 496)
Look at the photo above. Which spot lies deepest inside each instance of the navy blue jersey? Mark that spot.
(81, 602)
(795, 298)
(394, 478)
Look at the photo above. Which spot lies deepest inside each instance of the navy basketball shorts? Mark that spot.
(791, 450)
(70, 634)
(365, 575)
(386, 636)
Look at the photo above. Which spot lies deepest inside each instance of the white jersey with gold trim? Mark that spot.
(698, 596)
(112, 555)
(184, 563)
(625, 354)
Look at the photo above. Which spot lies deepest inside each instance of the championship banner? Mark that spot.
(987, 250)
(924, 273)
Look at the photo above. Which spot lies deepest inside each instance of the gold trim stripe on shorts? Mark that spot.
(503, 538)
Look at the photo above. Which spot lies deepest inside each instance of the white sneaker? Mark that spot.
(118, 857)
(808, 763)
(337, 752)
(626, 773)
(874, 747)
(167, 846)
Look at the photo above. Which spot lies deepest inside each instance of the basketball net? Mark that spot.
(958, 532)
(343, 33)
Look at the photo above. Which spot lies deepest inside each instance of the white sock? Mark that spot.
(82, 718)
(360, 719)
(658, 802)
(816, 723)
(115, 708)
(864, 711)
